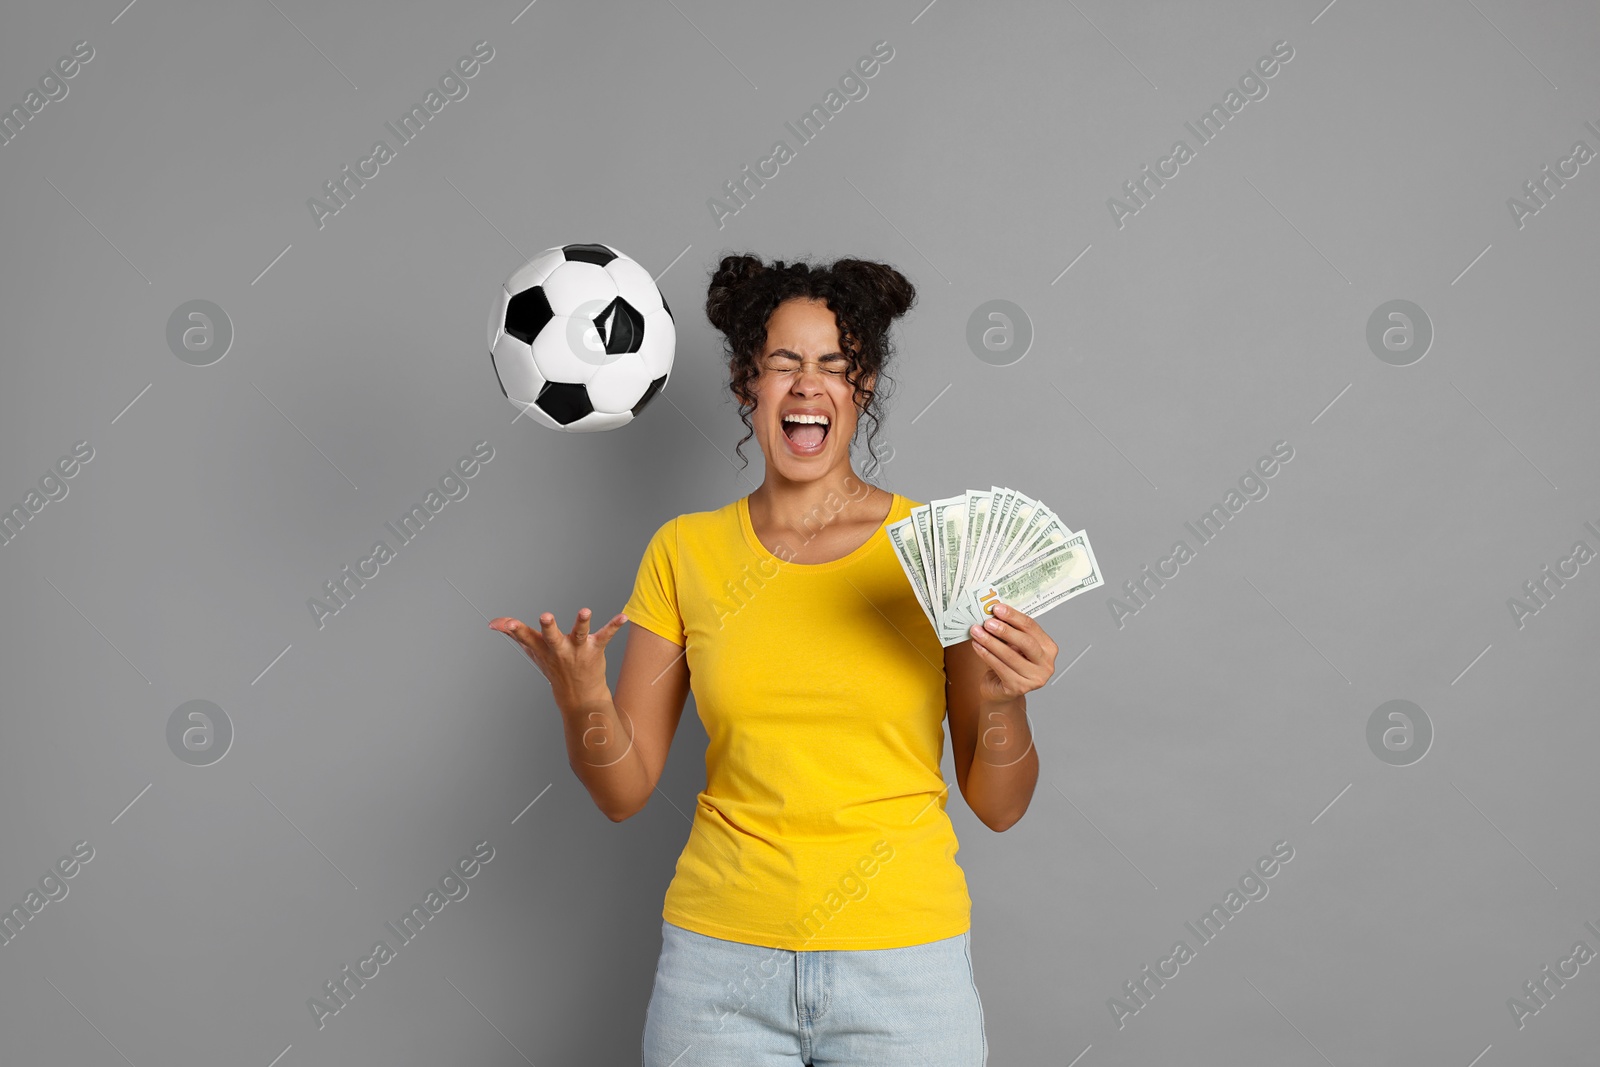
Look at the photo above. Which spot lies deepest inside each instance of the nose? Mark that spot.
(809, 380)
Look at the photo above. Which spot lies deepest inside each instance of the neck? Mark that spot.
(791, 505)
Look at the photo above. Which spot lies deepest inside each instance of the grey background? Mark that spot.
(1229, 714)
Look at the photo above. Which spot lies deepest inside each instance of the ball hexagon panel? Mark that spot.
(660, 338)
(520, 379)
(558, 359)
(535, 271)
(579, 287)
(615, 387)
(635, 284)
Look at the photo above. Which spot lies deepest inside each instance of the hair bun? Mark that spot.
(889, 289)
(729, 277)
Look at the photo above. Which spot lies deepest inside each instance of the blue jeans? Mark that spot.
(720, 1003)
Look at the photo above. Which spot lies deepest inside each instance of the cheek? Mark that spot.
(844, 402)
(767, 399)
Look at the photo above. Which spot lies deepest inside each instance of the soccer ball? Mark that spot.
(580, 338)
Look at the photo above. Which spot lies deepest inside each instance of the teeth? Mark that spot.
(823, 419)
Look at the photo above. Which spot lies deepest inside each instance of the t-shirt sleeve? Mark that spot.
(654, 603)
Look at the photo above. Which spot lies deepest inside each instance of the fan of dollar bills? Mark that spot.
(964, 553)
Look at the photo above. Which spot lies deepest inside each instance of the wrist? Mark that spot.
(582, 701)
(1004, 705)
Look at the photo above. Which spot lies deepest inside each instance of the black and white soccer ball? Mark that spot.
(581, 339)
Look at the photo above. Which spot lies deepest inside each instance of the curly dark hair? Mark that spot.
(865, 298)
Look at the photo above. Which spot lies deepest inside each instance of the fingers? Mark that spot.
(515, 629)
(997, 653)
(604, 635)
(1013, 682)
(1019, 660)
(529, 640)
(551, 635)
(1024, 633)
(581, 632)
(1027, 623)
(1015, 638)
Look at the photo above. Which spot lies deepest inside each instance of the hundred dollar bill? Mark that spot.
(1039, 585)
(922, 523)
(1002, 500)
(1018, 519)
(968, 516)
(1002, 522)
(903, 539)
(949, 524)
(978, 503)
(1052, 533)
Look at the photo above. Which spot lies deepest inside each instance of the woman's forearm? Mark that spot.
(601, 752)
(1005, 764)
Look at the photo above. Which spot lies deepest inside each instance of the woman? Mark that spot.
(817, 914)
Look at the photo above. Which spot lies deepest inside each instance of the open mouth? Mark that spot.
(806, 433)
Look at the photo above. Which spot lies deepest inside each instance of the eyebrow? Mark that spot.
(796, 355)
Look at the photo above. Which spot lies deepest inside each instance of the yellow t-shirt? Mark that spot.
(821, 687)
